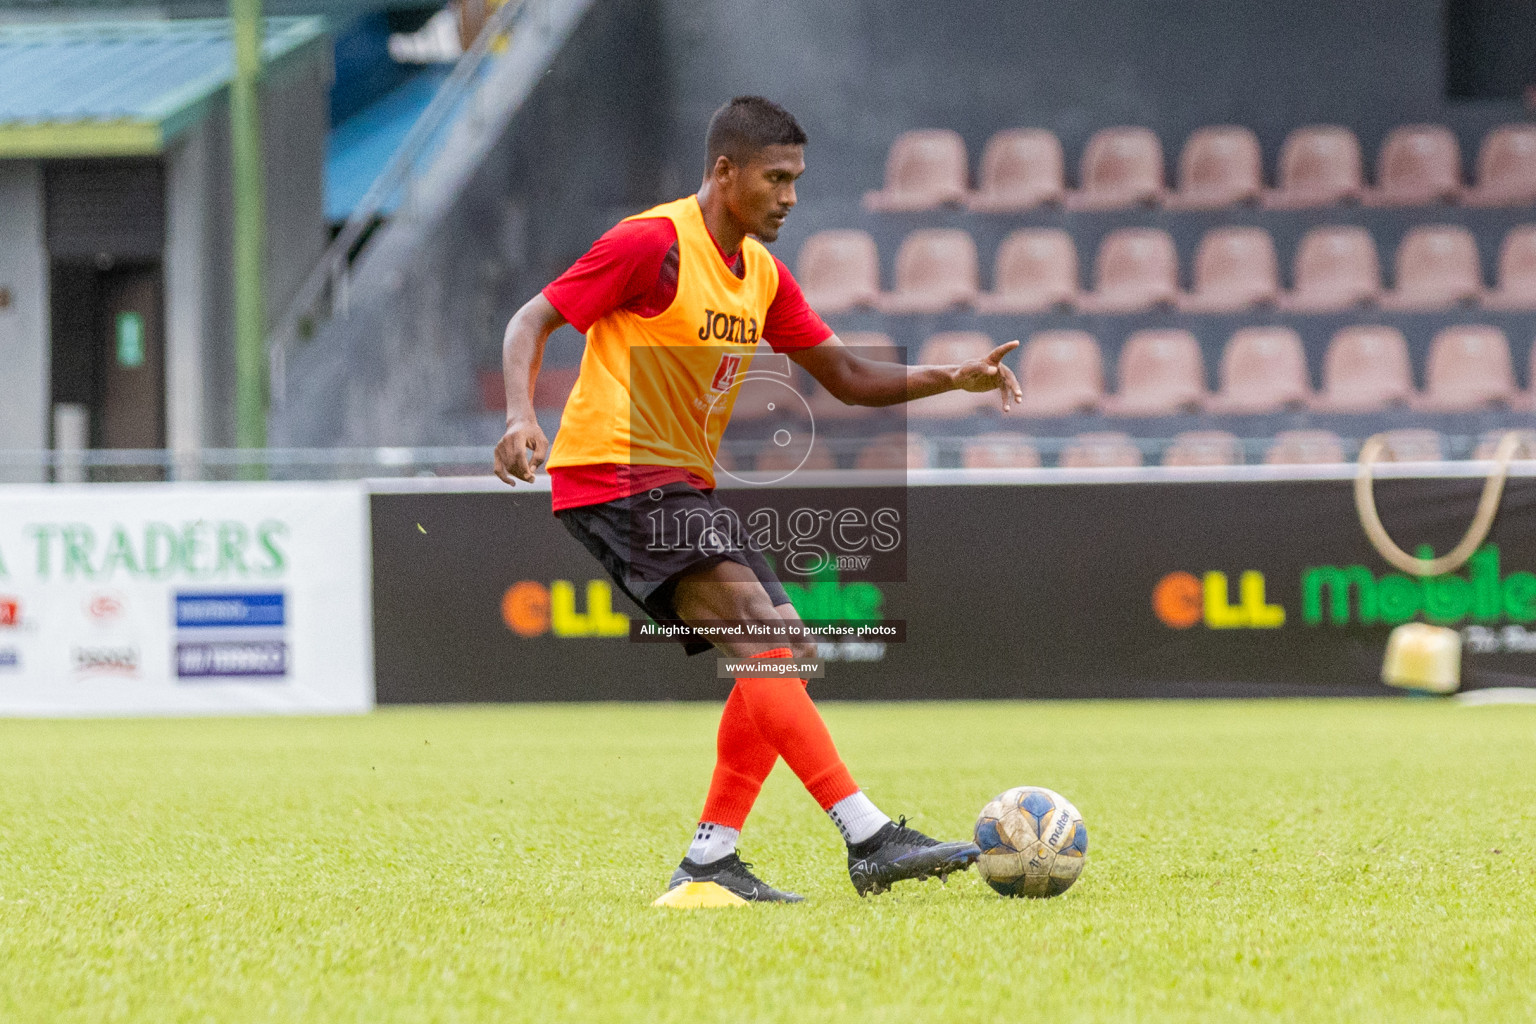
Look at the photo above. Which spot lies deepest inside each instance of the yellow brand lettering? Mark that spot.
(604, 621)
(1260, 615)
(564, 619)
(1218, 613)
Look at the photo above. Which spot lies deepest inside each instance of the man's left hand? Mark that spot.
(990, 374)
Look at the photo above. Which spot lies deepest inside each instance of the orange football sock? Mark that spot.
(743, 760)
(787, 720)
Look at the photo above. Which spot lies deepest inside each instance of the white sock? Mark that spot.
(711, 842)
(856, 817)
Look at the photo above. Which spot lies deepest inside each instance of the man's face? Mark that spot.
(761, 193)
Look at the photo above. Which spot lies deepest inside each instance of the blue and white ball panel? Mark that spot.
(988, 837)
(1033, 843)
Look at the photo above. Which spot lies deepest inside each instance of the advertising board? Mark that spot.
(184, 599)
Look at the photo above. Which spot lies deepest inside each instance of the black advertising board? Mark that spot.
(1166, 588)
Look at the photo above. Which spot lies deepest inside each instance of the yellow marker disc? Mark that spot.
(697, 896)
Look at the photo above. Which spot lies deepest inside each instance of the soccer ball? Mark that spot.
(1033, 843)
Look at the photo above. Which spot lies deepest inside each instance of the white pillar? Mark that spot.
(187, 199)
(24, 332)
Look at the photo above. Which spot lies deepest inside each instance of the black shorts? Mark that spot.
(649, 541)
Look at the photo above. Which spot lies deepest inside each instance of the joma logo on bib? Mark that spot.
(728, 327)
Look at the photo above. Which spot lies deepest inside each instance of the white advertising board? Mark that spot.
(170, 599)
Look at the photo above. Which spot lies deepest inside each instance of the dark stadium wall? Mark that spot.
(859, 73)
(618, 123)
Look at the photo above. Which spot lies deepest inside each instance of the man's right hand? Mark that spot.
(521, 450)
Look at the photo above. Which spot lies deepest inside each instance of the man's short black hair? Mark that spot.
(748, 124)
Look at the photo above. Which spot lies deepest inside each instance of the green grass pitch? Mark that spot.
(1274, 861)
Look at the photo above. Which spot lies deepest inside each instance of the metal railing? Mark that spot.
(941, 457)
(326, 292)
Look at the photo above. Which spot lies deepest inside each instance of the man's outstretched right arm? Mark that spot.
(523, 448)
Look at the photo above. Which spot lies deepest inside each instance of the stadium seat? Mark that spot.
(1204, 448)
(772, 458)
(1218, 167)
(1161, 373)
(867, 344)
(895, 451)
(1036, 270)
(1060, 372)
(1437, 268)
(1366, 369)
(1517, 271)
(726, 457)
(1469, 368)
(935, 271)
(1263, 370)
(1100, 449)
(1319, 166)
(839, 271)
(762, 395)
(1135, 269)
(1000, 451)
(948, 348)
(1413, 445)
(1488, 444)
(552, 387)
(924, 170)
(1235, 268)
(1336, 268)
(1506, 168)
(1418, 164)
(1121, 167)
(1304, 448)
(1021, 168)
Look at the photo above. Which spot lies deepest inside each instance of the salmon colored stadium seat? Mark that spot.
(1366, 369)
(1000, 451)
(491, 387)
(1060, 372)
(552, 387)
(1021, 168)
(948, 348)
(1413, 445)
(1506, 168)
(1204, 448)
(1036, 270)
(1304, 448)
(1135, 269)
(1488, 444)
(725, 457)
(1100, 449)
(895, 451)
(1161, 373)
(768, 393)
(1336, 268)
(1437, 268)
(1263, 370)
(867, 345)
(924, 170)
(1469, 368)
(1320, 165)
(935, 270)
(1517, 271)
(1218, 167)
(774, 458)
(1417, 165)
(1121, 167)
(839, 270)
(1235, 268)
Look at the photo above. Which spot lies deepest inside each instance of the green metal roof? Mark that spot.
(120, 88)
